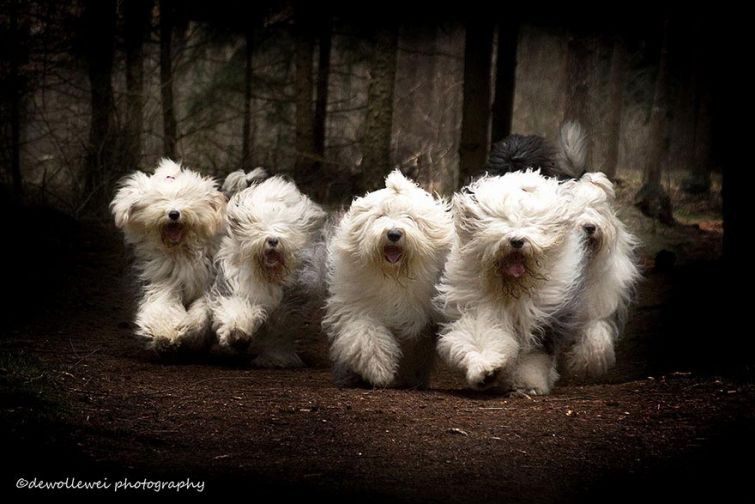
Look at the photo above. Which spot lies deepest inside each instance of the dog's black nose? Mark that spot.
(394, 234)
(589, 229)
(272, 241)
(174, 214)
(517, 243)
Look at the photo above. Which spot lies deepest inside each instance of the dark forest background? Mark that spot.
(335, 95)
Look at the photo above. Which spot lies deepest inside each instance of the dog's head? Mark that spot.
(171, 208)
(272, 222)
(507, 225)
(398, 228)
(593, 197)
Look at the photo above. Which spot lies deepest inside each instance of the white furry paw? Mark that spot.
(593, 355)
(231, 337)
(534, 374)
(484, 371)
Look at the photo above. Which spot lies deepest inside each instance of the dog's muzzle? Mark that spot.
(172, 233)
(513, 265)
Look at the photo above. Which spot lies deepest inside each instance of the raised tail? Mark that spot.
(239, 180)
(572, 158)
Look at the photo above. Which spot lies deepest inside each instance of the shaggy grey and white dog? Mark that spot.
(270, 228)
(172, 219)
(511, 276)
(384, 258)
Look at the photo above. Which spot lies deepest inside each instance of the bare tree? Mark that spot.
(170, 127)
(246, 141)
(580, 69)
(376, 143)
(505, 77)
(652, 199)
(304, 57)
(137, 14)
(475, 120)
(698, 179)
(321, 104)
(15, 98)
(99, 36)
(615, 106)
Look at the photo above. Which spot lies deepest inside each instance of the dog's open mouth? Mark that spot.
(514, 265)
(172, 233)
(393, 253)
(272, 258)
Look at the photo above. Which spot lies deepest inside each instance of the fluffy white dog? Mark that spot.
(270, 226)
(511, 276)
(173, 220)
(385, 256)
(610, 273)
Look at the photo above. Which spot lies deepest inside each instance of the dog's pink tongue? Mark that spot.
(515, 269)
(393, 254)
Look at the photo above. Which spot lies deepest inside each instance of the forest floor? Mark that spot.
(80, 398)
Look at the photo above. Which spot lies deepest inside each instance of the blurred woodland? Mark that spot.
(335, 95)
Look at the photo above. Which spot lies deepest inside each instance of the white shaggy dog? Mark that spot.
(609, 277)
(385, 256)
(510, 277)
(270, 226)
(173, 220)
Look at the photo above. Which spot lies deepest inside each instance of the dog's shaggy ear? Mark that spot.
(601, 181)
(127, 198)
(218, 204)
(465, 213)
(397, 182)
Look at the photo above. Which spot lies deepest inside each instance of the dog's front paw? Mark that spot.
(485, 373)
(590, 360)
(231, 337)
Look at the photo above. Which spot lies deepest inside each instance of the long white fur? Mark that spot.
(610, 276)
(495, 325)
(175, 277)
(248, 292)
(379, 315)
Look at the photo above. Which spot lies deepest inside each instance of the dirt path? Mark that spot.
(80, 398)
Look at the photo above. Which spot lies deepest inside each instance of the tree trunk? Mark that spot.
(478, 48)
(321, 105)
(615, 106)
(698, 180)
(305, 118)
(505, 79)
(246, 141)
(580, 68)
(652, 199)
(15, 105)
(100, 16)
(137, 15)
(376, 143)
(170, 128)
